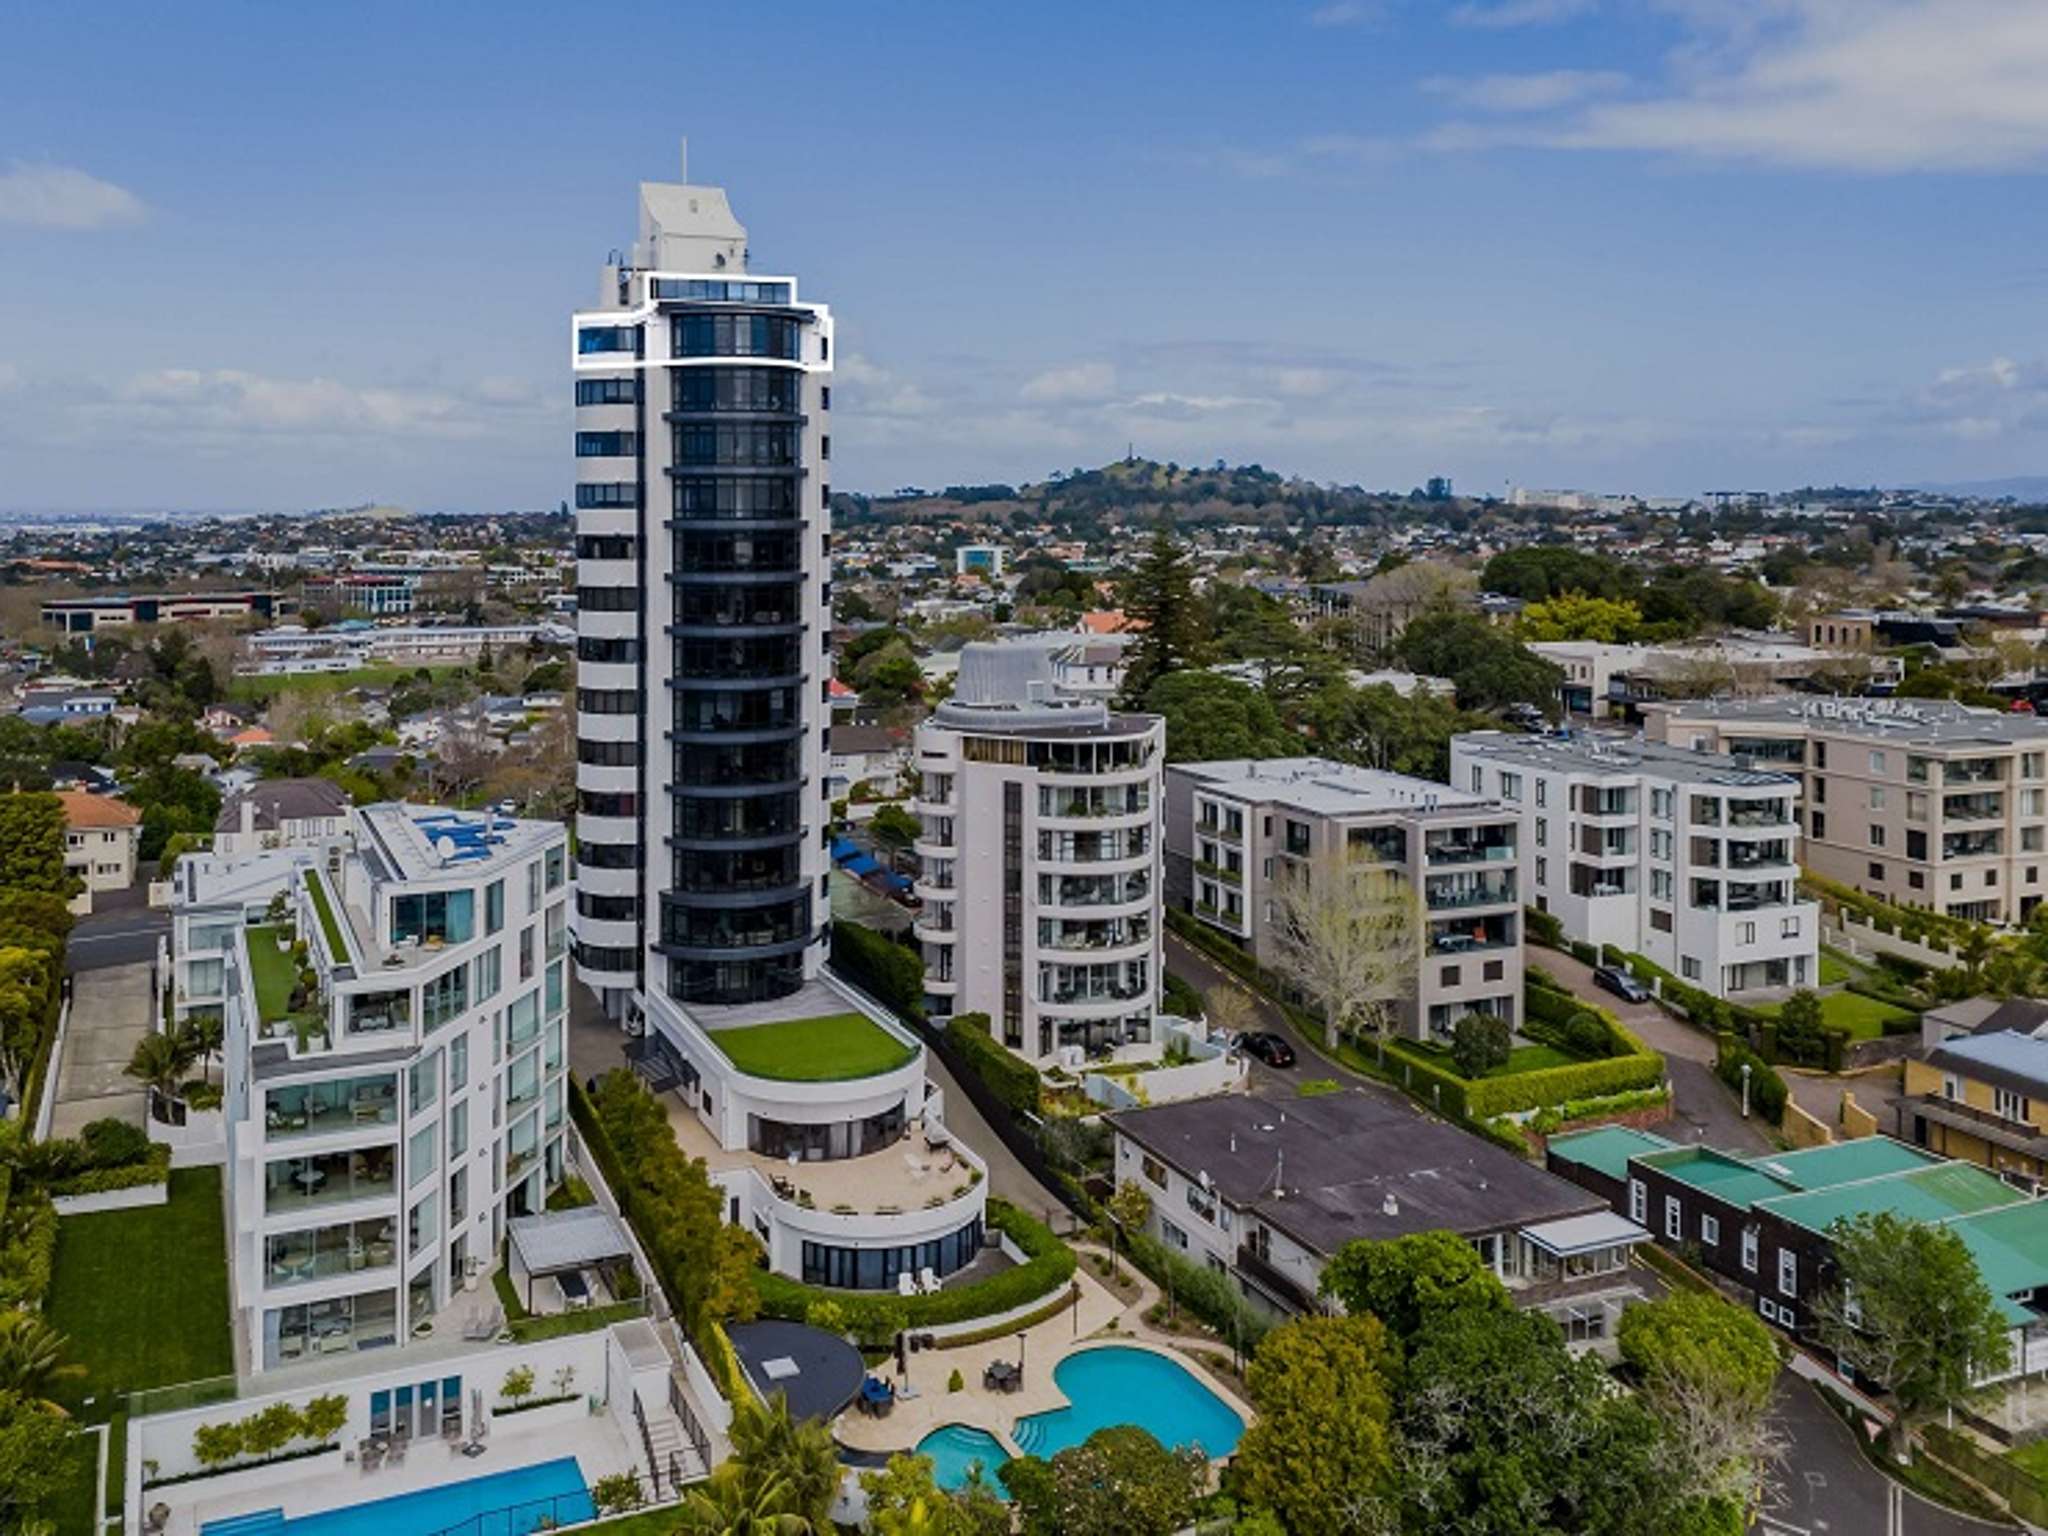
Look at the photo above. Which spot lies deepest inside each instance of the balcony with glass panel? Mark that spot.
(330, 1178)
(1606, 802)
(1470, 845)
(1466, 935)
(378, 1013)
(1973, 770)
(1492, 888)
(321, 1109)
(1744, 815)
(1072, 986)
(1063, 802)
(1970, 845)
(335, 1327)
(321, 1253)
(1977, 807)
(1093, 890)
(1765, 853)
(1754, 896)
(1094, 847)
(1105, 933)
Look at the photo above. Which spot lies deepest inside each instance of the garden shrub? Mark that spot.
(1544, 928)
(1767, 1089)
(1013, 1080)
(891, 971)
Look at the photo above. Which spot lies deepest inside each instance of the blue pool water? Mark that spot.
(1116, 1385)
(514, 1503)
(1111, 1385)
(957, 1447)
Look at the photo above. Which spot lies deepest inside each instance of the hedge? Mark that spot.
(1766, 1088)
(1544, 928)
(1046, 1313)
(153, 1169)
(28, 1249)
(1206, 1292)
(1049, 1264)
(891, 971)
(1013, 1080)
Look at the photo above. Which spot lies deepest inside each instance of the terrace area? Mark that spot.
(836, 1047)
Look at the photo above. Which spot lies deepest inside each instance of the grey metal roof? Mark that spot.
(1323, 787)
(1913, 722)
(1589, 753)
(2004, 1058)
(556, 1241)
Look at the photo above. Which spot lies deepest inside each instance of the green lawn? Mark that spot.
(330, 920)
(1834, 969)
(1534, 1058)
(1863, 1017)
(75, 1508)
(273, 973)
(2031, 1458)
(143, 1295)
(828, 1049)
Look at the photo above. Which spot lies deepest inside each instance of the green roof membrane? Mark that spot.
(2011, 1249)
(1927, 1194)
(1606, 1149)
(1843, 1162)
(1717, 1174)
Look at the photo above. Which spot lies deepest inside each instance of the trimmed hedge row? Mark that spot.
(1013, 1080)
(1050, 1310)
(891, 971)
(155, 1168)
(1937, 930)
(28, 1249)
(1049, 1264)
(1766, 1088)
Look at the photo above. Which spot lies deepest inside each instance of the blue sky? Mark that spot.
(281, 256)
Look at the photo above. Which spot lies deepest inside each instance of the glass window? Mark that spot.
(445, 997)
(494, 906)
(424, 1080)
(423, 1226)
(458, 1063)
(533, 887)
(489, 972)
(522, 1020)
(557, 863)
(429, 917)
(458, 1129)
(419, 1156)
(322, 1108)
(558, 991)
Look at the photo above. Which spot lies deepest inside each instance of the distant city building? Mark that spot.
(83, 615)
(1685, 858)
(377, 593)
(980, 560)
(1235, 828)
(1040, 853)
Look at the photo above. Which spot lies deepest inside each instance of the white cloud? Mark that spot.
(871, 390)
(61, 197)
(1518, 13)
(1542, 92)
(223, 403)
(1873, 86)
(1081, 381)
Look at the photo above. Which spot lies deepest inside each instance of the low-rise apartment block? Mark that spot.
(83, 615)
(395, 1008)
(1041, 860)
(1234, 828)
(1923, 802)
(1685, 858)
(1267, 1192)
(1983, 1097)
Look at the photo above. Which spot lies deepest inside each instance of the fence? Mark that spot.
(1022, 1144)
(2025, 1494)
(561, 1510)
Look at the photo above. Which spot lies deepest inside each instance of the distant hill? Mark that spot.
(2029, 488)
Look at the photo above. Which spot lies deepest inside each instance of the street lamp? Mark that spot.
(1020, 1356)
(1745, 1090)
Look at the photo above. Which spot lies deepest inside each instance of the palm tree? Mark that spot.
(32, 1359)
(1974, 950)
(206, 1030)
(735, 1504)
(159, 1062)
(771, 1446)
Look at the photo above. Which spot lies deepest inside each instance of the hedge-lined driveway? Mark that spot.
(1704, 1110)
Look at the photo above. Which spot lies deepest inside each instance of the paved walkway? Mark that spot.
(1704, 1111)
(111, 1011)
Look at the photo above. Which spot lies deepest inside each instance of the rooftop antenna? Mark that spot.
(686, 159)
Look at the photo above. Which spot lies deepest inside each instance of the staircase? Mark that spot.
(671, 1461)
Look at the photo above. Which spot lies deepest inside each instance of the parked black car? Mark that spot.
(1268, 1047)
(1620, 983)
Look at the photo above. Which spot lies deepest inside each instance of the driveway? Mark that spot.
(1827, 1486)
(124, 934)
(1704, 1111)
(111, 1010)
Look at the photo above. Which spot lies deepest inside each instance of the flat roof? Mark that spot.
(2010, 1245)
(1843, 1162)
(1584, 1234)
(818, 1372)
(1716, 1173)
(1924, 1194)
(1352, 1164)
(1322, 787)
(1583, 752)
(1607, 1148)
(433, 842)
(1911, 722)
(555, 1241)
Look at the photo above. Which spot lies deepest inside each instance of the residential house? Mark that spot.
(281, 813)
(101, 837)
(1983, 1097)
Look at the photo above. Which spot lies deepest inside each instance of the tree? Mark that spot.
(732, 1504)
(32, 1360)
(904, 1499)
(1409, 1283)
(1160, 605)
(1319, 1453)
(216, 1444)
(1708, 1371)
(269, 1430)
(893, 829)
(1800, 1018)
(775, 1449)
(1480, 1042)
(517, 1385)
(1539, 571)
(1347, 932)
(1131, 1208)
(1575, 616)
(1910, 1311)
(324, 1418)
(1228, 1009)
(1488, 667)
(34, 1459)
(1208, 716)
(32, 844)
(160, 1061)
(1120, 1481)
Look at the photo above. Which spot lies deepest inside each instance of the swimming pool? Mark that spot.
(1120, 1385)
(954, 1448)
(514, 1503)
(1111, 1385)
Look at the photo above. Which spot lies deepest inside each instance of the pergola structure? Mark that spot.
(557, 1243)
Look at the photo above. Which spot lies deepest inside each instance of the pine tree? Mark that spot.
(1162, 609)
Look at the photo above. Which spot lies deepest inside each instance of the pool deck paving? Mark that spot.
(597, 1443)
(1045, 1345)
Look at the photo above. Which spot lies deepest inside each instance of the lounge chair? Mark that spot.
(928, 1282)
(906, 1285)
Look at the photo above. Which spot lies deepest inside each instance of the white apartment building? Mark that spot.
(1234, 827)
(384, 1122)
(703, 450)
(1685, 858)
(1921, 802)
(1040, 853)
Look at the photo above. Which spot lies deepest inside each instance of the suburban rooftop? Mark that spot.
(1912, 722)
(1320, 787)
(404, 841)
(1585, 752)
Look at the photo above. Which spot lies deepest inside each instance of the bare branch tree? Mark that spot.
(1347, 931)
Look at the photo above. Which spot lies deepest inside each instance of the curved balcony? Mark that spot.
(926, 849)
(1091, 1009)
(606, 829)
(926, 930)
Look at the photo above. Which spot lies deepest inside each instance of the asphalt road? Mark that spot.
(115, 938)
(1828, 1488)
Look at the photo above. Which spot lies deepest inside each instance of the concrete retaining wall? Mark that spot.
(113, 1200)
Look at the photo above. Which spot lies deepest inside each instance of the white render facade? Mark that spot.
(383, 1124)
(1685, 858)
(1041, 859)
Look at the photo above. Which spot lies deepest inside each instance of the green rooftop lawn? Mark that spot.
(330, 920)
(1863, 1017)
(272, 972)
(142, 1295)
(831, 1048)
